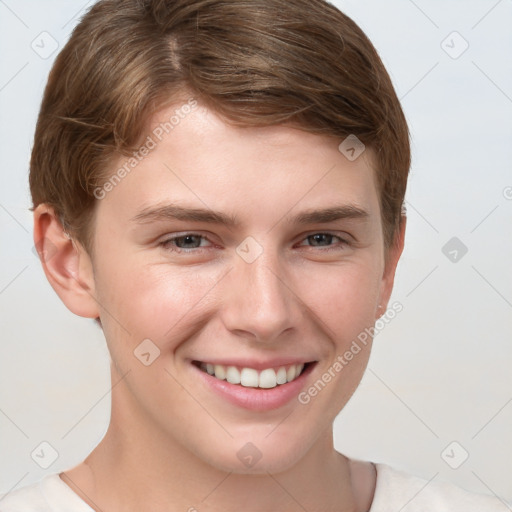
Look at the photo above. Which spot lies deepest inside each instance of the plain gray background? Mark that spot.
(440, 371)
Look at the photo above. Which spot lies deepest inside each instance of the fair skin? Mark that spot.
(173, 440)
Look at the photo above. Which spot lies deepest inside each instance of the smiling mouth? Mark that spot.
(252, 378)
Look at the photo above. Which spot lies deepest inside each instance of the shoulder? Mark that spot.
(27, 499)
(50, 494)
(397, 490)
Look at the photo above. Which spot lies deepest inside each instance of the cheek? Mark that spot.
(343, 297)
(346, 309)
(152, 301)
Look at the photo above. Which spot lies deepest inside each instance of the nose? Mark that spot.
(259, 302)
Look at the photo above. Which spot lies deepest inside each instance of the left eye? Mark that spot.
(184, 242)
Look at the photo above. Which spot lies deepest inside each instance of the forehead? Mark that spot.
(190, 154)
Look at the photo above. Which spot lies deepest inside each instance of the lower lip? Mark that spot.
(256, 399)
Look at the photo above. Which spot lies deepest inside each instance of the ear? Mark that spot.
(391, 261)
(66, 264)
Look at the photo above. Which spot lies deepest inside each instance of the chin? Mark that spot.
(252, 455)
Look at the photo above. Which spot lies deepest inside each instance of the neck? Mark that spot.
(137, 466)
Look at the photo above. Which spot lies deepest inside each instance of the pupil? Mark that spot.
(189, 239)
(322, 236)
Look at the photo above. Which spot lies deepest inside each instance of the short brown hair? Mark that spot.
(255, 62)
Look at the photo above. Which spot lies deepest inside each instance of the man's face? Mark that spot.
(292, 279)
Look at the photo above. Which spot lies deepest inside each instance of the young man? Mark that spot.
(220, 185)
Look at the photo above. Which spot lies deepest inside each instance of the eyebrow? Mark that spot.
(313, 216)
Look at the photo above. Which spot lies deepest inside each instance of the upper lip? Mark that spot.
(257, 364)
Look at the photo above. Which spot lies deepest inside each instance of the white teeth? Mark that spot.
(220, 371)
(281, 375)
(251, 378)
(268, 379)
(233, 375)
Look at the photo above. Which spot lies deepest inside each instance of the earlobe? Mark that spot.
(65, 262)
(388, 277)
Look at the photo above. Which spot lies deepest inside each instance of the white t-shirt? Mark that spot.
(395, 491)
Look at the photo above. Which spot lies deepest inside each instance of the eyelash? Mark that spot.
(166, 244)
